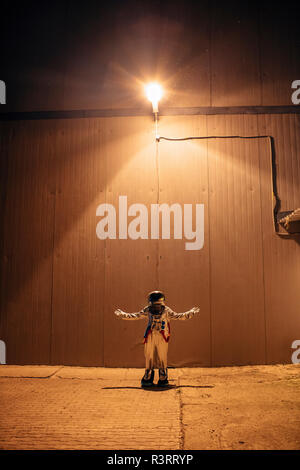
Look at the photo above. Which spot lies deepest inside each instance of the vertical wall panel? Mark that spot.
(281, 255)
(237, 285)
(34, 55)
(5, 131)
(27, 246)
(78, 269)
(131, 265)
(183, 64)
(184, 274)
(235, 78)
(280, 50)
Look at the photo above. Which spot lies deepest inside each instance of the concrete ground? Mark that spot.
(57, 407)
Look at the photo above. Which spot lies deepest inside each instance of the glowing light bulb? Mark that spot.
(154, 93)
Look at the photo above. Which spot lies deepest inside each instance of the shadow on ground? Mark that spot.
(157, 388)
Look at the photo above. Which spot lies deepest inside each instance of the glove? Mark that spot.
(118, 313)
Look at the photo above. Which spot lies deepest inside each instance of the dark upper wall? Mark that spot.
(64, 55)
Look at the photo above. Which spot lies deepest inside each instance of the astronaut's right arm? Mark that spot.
(131, 316)
(182, 316)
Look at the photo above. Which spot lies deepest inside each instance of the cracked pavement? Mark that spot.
(65, 407)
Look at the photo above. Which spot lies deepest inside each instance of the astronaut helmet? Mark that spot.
(156, 300)
(156, 297)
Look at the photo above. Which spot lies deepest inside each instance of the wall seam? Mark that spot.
(209, 252)
(52, 267)
(105, 245)
(158, 190)
(262, 246)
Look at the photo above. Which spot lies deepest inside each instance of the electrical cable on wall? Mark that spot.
(277, 204)
(154, 93)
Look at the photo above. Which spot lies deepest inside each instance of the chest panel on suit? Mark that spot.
(158, 323)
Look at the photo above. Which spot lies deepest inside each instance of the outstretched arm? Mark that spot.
(185, 315)
(131, 316)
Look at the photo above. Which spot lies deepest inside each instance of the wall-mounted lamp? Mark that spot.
(154, 93)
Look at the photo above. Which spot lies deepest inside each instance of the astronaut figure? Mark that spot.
(157, 335)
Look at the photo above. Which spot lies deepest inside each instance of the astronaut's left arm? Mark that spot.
(131, 316)
(184, 315)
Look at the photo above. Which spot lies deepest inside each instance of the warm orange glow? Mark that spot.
(154, 93)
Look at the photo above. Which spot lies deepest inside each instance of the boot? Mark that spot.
(163, 378)
(148, 377)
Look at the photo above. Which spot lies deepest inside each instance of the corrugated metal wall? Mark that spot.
(60, 283)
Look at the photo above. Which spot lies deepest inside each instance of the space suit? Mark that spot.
(157, 334)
